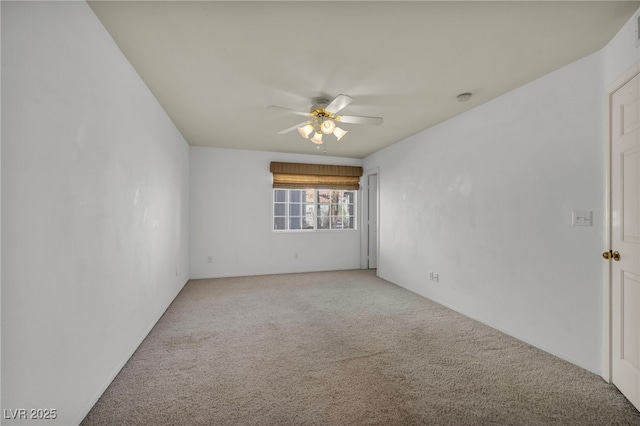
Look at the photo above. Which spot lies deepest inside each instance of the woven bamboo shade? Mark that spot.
(319, 176)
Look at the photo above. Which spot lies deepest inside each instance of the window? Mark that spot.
(312, 197)
(313, 209)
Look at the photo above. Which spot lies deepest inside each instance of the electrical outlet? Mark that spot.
(436, 277)
(295, 255)
(209, 259)
(430, 276)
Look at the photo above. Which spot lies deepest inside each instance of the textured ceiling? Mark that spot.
(216, 66)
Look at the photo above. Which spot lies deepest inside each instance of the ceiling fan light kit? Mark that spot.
(317, 138)
(328, 126)
(339, 133)
(324, 117)
(305, 130)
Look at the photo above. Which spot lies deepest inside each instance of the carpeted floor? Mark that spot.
(342, 348)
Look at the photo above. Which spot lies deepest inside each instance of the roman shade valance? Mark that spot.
(319, 176)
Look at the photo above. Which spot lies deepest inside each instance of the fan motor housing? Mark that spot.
(319, 103)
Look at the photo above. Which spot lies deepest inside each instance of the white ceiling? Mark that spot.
(216, 66)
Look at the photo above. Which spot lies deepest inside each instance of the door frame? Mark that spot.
(364, 229)
(627, 76)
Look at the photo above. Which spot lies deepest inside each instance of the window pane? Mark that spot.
(324, 196)
(323, 217)
(310, 216)
(279, 223)
(323, 210)
(294, 223)
(279, 209)
(336, 223)
(294, 209)
(346, 210)
(280, 195)
(295, 196)
(348, 197)
(310, 195)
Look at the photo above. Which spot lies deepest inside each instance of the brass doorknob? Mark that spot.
(615, 255)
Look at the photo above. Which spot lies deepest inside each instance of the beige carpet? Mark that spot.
(342, 348)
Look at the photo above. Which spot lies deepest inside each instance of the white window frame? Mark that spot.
(314, 211)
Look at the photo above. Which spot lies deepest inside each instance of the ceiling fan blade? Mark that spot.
(292, 128)
(292, 111)
(357, 119)
(338, 103)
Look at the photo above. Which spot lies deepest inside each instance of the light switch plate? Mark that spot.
(582, 218)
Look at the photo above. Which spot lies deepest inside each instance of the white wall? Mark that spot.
(94, 209)
(0, 211)
(231, 219)
(622, 52)
(485, 200)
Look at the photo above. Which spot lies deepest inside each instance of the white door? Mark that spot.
(625, 240)
(372, 221)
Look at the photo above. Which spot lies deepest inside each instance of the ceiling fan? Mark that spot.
(323, 118)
